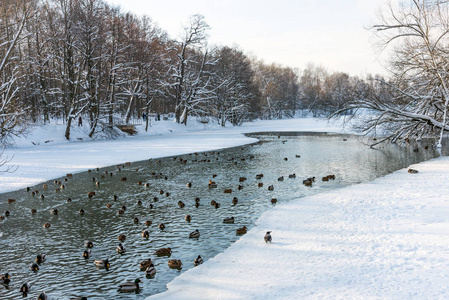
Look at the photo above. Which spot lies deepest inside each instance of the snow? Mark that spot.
(386, 239)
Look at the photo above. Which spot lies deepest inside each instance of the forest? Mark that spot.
(62, 59)
(69, 58)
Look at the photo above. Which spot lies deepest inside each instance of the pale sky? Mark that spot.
(293, 33)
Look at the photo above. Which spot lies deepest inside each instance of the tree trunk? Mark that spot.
(67, 129)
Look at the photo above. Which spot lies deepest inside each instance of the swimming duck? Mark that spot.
(181, 204)
(307, 182)
(108, 205)
(292, 175)
(175, 263)
(121, 237)
(128, 287)
(259, 176)
(42, 296)
(229, 220)
(161, 226)
(151, 206)
(194, 234)
(90, 194)
(155, 199)
(260, 184)
(242, 230)
(81, 211)
(69, 199)
(145, 264)
(189, 184)
(145, 234)
(241, 179)
(198, 261)
(40, 258)
(136, 220)
(121, 212)
(161, 192)
(102, 263)
(274, 201)
(150, 271)
(240, 187)
(120, 249)
(47, 225)
(413, 171)
(197, 204)
(271, 188)
(34, 267)
(7, 213)
(11, 200)
(139, 202)
(88, 244)
(217, 205)
(148, 223)
(235, 200)
(87, 253)
(5, 279)
(33, 211)
(124, 207)
(115, 197)
(325, 178)
(163, 251)
(25, 288)
(188, 218)
(213, 202)
(267, 237)
(227, 191)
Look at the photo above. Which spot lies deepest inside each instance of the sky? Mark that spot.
(293, 33)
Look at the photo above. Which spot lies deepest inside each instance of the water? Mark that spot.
(66, 274)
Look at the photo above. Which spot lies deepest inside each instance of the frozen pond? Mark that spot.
(66, 274)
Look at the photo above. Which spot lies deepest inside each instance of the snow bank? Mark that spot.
(388, 239)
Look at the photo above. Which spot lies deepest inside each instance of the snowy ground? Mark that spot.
(387, 239)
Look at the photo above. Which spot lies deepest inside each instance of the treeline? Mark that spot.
(71, 58)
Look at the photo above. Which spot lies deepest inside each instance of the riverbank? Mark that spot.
(387, 239)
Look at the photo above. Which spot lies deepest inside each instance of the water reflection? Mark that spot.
(66, 273)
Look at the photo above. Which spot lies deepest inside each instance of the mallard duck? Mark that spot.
(151, 206)
(81, 211)
(5, 279)
(88, 244)
(259, 176)
(198, 261)
(175, 263)
(25, 288)
(120, 249)
(217, 205)
(46, 225)
(136, 220)
(188, 218)
(108, 205)
(145, 264)
(281, 178)
(163, 251)
(33, 211)
(274, 201)
(307, 182)
(128, 287)
(229, 220)
(34, 267)
(102, 263)
(150, 271)
(325, 178)
(292, 175)
(240, 187)
(54, 211)
(124, 207)
(242, 230)
(197, 204)
(145, 234)
(121, 237)
(181, 204)
(11, 200)
(189, 184)
(241, 179)
(271, 188)
(194, 234)
(235, 200)
(69, 199)
(267, 237)
(260, 184)
(227, 191)
(139, 202)
(413, 171)
(161, 192)
(7, 213)
(87, 253)
(40, 258)
(42, 296)
(213, 202)
(161, 226)
(121, 212)
(115, 197)
(155, 199)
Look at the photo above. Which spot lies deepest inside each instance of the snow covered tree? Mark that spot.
(414, 102)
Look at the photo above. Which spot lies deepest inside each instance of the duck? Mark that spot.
(175, 263)
(7, 213)
(151, 206)
(292, 175)
(188, 218)
(136, 220)
(115, 197)
(213, 202)
(189, 184)
(241, 179)
(197, 204)
(274, 200)
(46, 225)
(145, 234)
(88, 244)
(102, 263)
(5, 279)
(194, 234)
(259, 176)
(325, 178)
(121, 212)
(198, 261)
(108, 205)
(69, 199)
(25, 288)
(229, 220)
(307, 182)
(267, 237)
(217, 205)
(260, 184)
(87, 253)
(155, 199)
(241, 230)
(163, 251)
(271, 188)
(139, 202)
(81, 211)
(227, 191)
(413, 171)
(181, 204)
(54, 211)
(34, 267)
(148, 223)
(121, 237)
(150, 271)
(161, 226)
(235, 200)
(120, 249)
(129, 287)
(40, 258)
(42, 296)
(33, 211)
(145, 264)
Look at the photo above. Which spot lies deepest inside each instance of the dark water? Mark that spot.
(66, 274)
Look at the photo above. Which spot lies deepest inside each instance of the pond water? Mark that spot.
(67, 274)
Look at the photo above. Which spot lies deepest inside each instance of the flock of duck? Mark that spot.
(147, 265)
